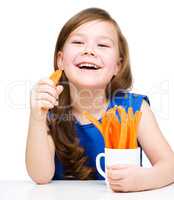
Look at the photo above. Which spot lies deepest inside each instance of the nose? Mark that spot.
(88, 51)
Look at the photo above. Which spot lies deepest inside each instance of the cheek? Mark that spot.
(70, 54)
(68, 57)
(110, 61)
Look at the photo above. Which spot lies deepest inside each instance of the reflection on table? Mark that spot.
(86, 190)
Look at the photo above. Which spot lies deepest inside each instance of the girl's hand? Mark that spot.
(125, 178)
(44, 96)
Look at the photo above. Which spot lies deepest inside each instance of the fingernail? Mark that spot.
(60, 87)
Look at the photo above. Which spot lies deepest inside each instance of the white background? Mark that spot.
(28, 33)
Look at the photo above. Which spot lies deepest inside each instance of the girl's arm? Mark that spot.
(40, 149)
(157, 150)
(126, 178)
(40, 152)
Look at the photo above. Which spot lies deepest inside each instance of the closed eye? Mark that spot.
(77, 42)
(103, 45)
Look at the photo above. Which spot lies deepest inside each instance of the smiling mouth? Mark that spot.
(88, 66)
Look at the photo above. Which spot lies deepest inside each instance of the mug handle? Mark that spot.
(98, 166)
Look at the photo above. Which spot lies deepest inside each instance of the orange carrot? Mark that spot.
(104, 122)
(128, 134)
(137, 118)
(107, 127)
(133, 135)
(130, 118)
(134, 144)
(94, 121)
(123, 133)
(110, 136)
(107, 134)
(115, 125)
(138, 115)
(130, 113)
(55, 76)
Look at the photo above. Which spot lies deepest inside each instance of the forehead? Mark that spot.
(103, 29)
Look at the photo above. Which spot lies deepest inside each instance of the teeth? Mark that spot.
(88, 65)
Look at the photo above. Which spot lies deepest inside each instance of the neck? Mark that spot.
(93, 101)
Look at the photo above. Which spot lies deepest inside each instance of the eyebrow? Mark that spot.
(100, 36)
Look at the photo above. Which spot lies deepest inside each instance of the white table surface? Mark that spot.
(74, 190)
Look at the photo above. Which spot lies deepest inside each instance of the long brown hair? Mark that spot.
(61, 122)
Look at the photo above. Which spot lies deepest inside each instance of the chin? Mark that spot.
(90, 85)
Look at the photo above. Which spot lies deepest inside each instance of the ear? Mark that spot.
(60, 60)
(118, 66)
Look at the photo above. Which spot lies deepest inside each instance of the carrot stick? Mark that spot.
(115, 125)
(123, 133)
(133, 135)
(130, 113)
(138, 115)
(130, 118)
(128, 134)
(109, 130)
(55, 76)
(107, 134)
(94, 121)
(110, 137)
(134, 144)
(104, 122)
(137, 118)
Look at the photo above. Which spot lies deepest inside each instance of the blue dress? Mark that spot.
(90, 137)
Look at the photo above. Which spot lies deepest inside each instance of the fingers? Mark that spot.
(119, 166)
(46, 81)
(45, 94)
(117, 188)
(45, 104)
(46, 97)
(47, 89)
(59, 89)
(116, 184)
(121, 177)
(114, 175)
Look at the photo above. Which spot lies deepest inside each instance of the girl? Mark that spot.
(62, 144)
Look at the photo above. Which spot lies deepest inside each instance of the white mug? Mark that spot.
(117, 156)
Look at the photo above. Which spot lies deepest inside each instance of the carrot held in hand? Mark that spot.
(55, 77)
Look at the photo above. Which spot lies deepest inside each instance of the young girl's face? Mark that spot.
(92, 45)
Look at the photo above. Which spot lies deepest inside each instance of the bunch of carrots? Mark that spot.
(118, 134)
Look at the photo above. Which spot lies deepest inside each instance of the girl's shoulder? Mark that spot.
(129, 99)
